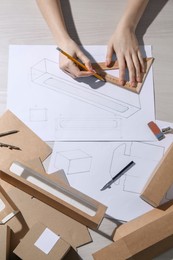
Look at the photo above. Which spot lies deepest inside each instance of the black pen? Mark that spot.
(9, 132)
(118, 175)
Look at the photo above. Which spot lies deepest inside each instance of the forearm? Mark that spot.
(51, 11)
(133, 12)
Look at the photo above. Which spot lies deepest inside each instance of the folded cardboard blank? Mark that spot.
(7, 207)
(160, 181)
(31, 146)
(4, 242)
(142, 238)
(58, 195)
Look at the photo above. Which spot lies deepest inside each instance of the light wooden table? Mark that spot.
(92, 22)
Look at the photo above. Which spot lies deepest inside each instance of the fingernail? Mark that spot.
(133, 84)
(107, 62)
(139, 79)
(122, 82)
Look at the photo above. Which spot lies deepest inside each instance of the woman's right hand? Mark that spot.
(68, 66)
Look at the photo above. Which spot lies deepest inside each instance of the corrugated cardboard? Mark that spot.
(142, 238)
(160, 181)
(7, 209)
(4, 242)
(36, 245)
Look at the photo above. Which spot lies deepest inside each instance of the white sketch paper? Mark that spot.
(59, 108)
(108, 158)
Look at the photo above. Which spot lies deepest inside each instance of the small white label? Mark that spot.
(16, 169)
(2, 205)
(46, 241)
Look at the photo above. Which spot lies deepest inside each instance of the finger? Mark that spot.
(122, 68)
(68, 73)
(109, 55)
(70, 68)
(131, 69)
(142, 64)
(85, 60)
(75, 72)
(84, 74)
(88, 65)
(78, 74)
(137, 66)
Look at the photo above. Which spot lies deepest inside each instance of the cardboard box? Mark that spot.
(142, 238)
(160, 181)
(7, 208)
(43, 243)
(4, 242)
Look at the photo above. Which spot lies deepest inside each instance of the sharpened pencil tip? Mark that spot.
(58, 49)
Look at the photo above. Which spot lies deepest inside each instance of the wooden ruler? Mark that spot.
(101, 68)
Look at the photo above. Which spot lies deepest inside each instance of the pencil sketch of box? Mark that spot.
(145, 156)
(47, 74)
(88, 123)
(118, 161)
(74, 161)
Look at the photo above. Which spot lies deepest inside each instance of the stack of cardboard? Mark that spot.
(32, 211)
(32, 220)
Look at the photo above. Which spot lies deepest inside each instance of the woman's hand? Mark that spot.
(68, 66)
(124, 43)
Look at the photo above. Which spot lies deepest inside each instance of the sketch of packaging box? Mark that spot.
(71, 125)
(74, 161)
(47, 74)
(140, 153)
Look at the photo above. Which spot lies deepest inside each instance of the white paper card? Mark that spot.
(46, 241)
